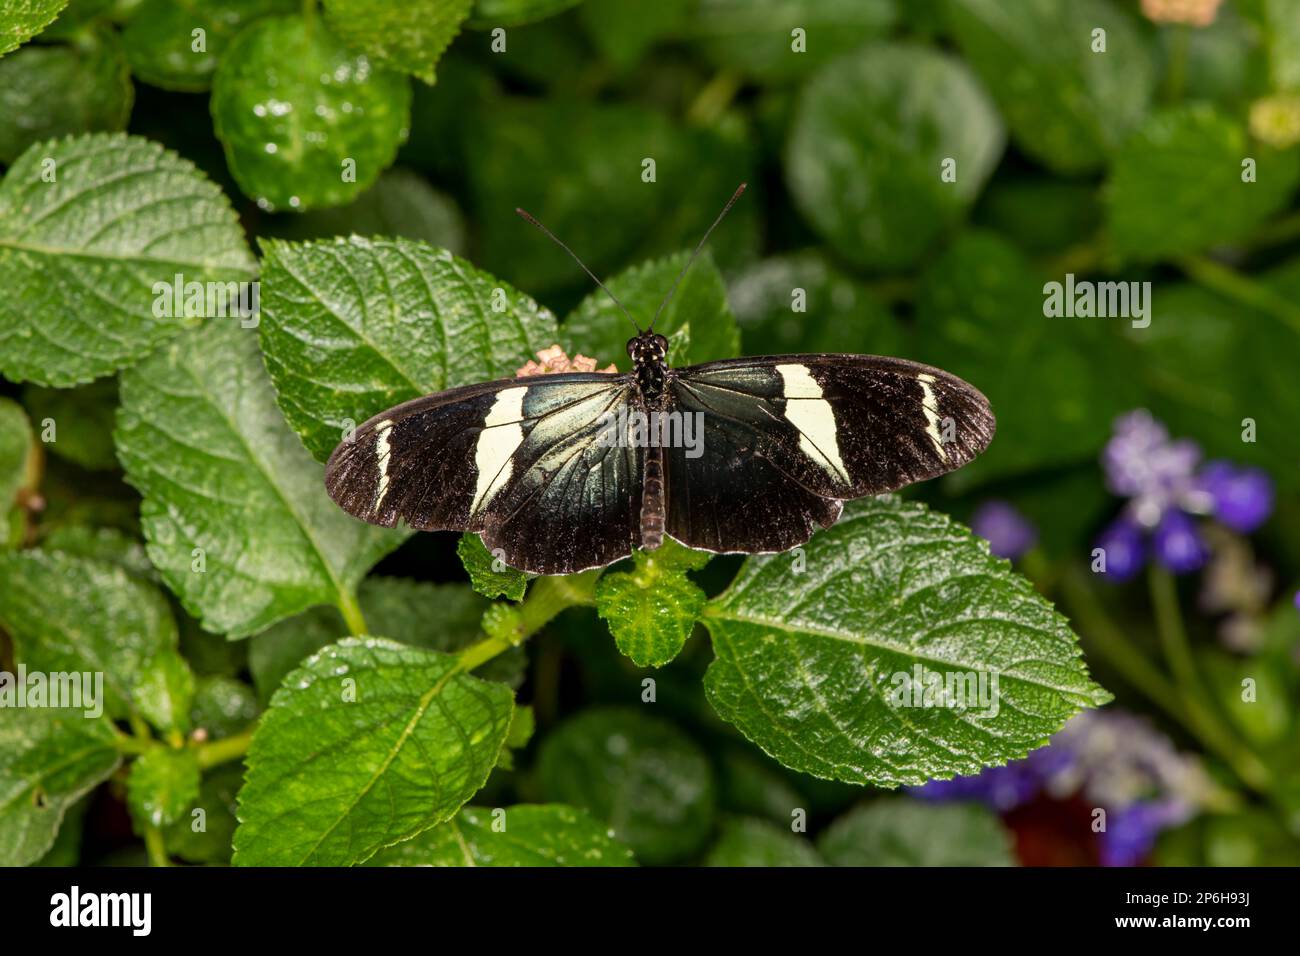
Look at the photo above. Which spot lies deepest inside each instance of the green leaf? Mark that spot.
(812, 650)
(201, 438)
(1066, 105)
(161, 786)
(866, 151)
(522, 835)
(754, 786)
(897, 831)
(165, 691)
(409, 36)
(102, 544)
(437, 617)
(755, 37)
(367, 744)
(68, 613)
(838, 313)
(623, 32)
(1282, 31)
(49, 759)
(49, 91)
(515, 13)
(159, 38)
(20, 20)
(750, 842)
(206, 837)
(294, 141)
(1176, 186)
(83, 421)
(16, 450)
(401, 203)
(80, 256)
(652, 610)
(222, 706)
(640, 774)
(351, 327)
(483, 572)
(597, 327)
(980, 315)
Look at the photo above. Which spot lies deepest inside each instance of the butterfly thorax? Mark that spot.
(649, 352)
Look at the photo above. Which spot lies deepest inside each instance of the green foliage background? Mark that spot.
(321, 691)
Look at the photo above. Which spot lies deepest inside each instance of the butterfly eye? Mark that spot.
(631, 346)
(662, 343)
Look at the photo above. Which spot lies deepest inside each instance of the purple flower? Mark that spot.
(1007, 531)
(1178, 543)
(1131, 831)
(1000, 788)
(1142, 464)
(1125, 549)
(1242, 497)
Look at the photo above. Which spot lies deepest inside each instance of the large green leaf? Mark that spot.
(73, 614)
(367, 744)
(750, 842)
(49, 91)
(79, 256)
(201, 438)
(407, 36)
(1176, 186)
(353, 326)
(866, 151)
(652, 609)
(1067, 105)
(16, 450)
(898, 831)
(1055, 383)
(638, 773)
(20, 20)
(304, 121)
(48, 759)
(523, 835)
(756, 37)
(809, 653)
(598, 327)
(161, 45)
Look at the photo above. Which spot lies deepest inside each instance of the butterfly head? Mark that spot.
(648, 348)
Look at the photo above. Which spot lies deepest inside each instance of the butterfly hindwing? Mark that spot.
(786, 438)
(520, 461)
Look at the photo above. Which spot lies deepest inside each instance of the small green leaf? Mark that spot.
(160, 41)
(750, 842)
(82, 418)
(367, 744)
(597, 327)
(409, 36)
(522, 725)
(292, 140)
(483, 572)
(20, 20)
(1067, 105)
(811, 656)
(222, 706)
(49, 91)
(638, 773)
(522, 835)
(652, 610)
(516, 13)
(102, 544)
(437, 617)
(16, 448)
(866, 154)
(165, 691)
(898, 831)
(239, 524)
(68, 613)
(623, 32)
(161, 786)
(48, 760)
(1177, 184)
(757, 37)
(206, 837)
(80, 255)
(351, 327)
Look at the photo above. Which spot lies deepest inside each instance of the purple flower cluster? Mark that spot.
(1007, 531)
(1167, 488)
(1114, 759)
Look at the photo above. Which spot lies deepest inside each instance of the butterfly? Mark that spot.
(574, 470)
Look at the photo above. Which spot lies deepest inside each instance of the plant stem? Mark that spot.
(1176, 78)
(1232, 284)
(547, 597)
(156, 847)
(214, 752)
(352, 616)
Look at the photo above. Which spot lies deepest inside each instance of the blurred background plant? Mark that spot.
(1144, 478)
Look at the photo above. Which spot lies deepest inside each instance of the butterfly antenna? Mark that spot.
(686, 268)
(529, 217)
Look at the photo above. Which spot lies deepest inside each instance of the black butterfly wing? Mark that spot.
(520, 461)
(787, 438)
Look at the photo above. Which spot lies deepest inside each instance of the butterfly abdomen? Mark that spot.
(652, 500)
